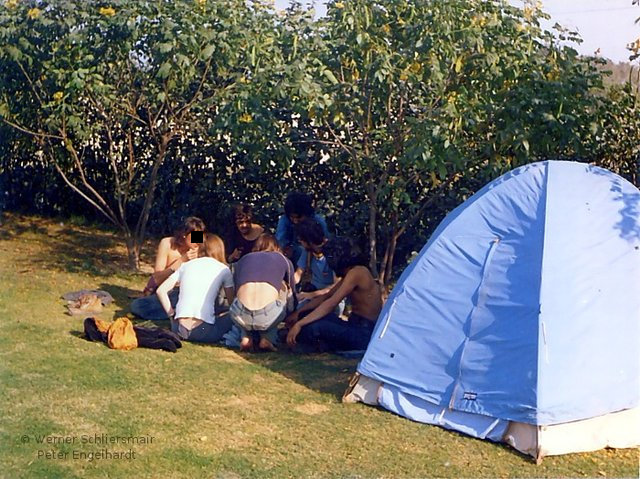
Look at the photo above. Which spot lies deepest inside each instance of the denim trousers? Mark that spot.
(205, 332)
(264, 320)
(330, 333)
(149, 307)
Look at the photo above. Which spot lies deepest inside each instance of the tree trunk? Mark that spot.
(373, 219)
(393, 242)
(133, 251)
(141, 226)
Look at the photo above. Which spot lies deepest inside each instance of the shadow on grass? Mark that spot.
(76, 251)
(70, 248)
(324, 373)
(11, 229)
(121, 298)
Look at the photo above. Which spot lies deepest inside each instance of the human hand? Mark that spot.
(303, 295)
(192, 253)
(291, 319)
(235, 255)
(293, 334)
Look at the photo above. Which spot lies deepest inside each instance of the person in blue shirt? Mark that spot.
(297, 207)
(312, 261)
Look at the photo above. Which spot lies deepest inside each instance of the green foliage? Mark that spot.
(415, 96)
(107, 92)
(390, 112)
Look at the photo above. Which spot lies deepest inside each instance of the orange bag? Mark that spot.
(121, 335)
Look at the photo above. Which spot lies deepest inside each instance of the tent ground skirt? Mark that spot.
(617, 430)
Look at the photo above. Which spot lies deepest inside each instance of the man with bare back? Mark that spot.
(321, 328)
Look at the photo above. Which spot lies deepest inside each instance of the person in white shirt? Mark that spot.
(200, 279)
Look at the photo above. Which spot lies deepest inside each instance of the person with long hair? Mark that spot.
(263, 278)
(173, 251)
(201, 279)
(316, 324)
(244, 232)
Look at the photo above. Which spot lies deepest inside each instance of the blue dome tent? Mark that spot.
(519, 321)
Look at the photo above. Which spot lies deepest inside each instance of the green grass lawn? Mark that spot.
(205, 411)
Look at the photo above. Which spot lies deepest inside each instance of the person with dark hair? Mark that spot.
(172, 252)
(316, 325)
(297, 207)
(244, 232)
(312, 262)
(264, 280)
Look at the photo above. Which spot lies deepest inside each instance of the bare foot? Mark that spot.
(266, 345)
(246, 344)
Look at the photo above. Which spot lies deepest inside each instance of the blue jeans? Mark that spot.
(206, 332)
(150, 308)
(331, 333)
(264, 320)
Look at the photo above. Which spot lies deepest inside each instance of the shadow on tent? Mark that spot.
(629, 224)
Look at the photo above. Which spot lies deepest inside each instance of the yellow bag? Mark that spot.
(121, 335)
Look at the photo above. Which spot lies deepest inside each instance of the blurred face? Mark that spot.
(295, 219)
(306, 245)
(244, 225)
(187, 241)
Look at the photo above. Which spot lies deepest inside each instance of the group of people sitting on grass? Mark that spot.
(252, 285)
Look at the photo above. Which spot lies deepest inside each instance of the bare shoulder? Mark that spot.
(166, 242)
(363, 271)
(360, 275)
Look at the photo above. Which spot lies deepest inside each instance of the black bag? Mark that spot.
(147, 337)
(157, 339)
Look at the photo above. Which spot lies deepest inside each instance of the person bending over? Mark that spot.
(173, 251)
(312, 261)
(200, 279)
(264, 279)
(321, 328)
(297, 207)
(244, 232)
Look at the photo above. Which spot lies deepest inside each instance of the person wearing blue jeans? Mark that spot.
(173, 251)
(263, 279)
(321, 329)
(297, 207)
(150, 308)
(201, 282)
(331, 333)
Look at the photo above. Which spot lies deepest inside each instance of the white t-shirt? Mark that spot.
(200, 281)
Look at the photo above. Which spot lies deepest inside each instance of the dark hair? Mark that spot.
(342, 254)
(299, 204)
(266, 242)
(192, 223)
(241, 211)
(310, 231)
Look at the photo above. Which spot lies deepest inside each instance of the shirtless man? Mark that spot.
(321, 327)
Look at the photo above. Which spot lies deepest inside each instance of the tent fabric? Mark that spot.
(416, 409)
(524, 305)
